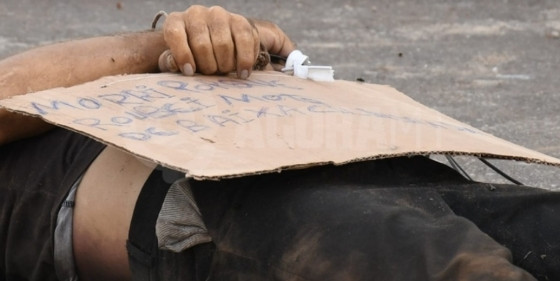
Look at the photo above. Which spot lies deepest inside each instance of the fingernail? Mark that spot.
(244, 74)
(188, 70)
(171, 65)
(162, 63)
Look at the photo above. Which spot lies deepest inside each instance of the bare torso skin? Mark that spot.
(105, 201)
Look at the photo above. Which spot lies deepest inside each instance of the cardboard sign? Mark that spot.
(215, 127)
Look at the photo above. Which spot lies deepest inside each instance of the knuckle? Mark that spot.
(241, 27)
(222, 44)
(196, 8)
(247, 39)
(197, 28)
(201, 48)
(239, 20)
(172, 31)
(217, 10)
(195, 11)
(173, 28)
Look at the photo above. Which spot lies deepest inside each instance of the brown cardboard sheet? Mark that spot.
(212, 127)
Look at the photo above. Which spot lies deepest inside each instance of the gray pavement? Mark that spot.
(492, 64)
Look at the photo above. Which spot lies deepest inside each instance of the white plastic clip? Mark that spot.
(299, 64)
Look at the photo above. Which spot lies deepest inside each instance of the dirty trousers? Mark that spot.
(395, 219)
(404, 218)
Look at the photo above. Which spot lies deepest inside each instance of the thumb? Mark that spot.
(166, 62)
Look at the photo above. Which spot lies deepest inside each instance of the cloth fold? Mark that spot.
(179, 225)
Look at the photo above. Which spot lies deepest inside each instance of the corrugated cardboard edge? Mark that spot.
(306, 165)
(377, 157)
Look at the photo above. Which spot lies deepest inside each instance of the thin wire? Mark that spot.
(457, 167)
(506, 176)
(278, 58)
(157, 17)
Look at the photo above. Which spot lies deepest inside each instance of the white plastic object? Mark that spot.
(299, 64)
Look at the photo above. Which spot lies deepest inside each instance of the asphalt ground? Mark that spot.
(492, 64)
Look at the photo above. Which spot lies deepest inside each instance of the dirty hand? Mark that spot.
(215, 41)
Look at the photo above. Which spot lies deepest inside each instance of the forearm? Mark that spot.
(75, 62)
(71, 63)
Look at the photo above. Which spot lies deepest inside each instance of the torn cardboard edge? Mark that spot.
(298, 123)
(307, 165)
(378, 157)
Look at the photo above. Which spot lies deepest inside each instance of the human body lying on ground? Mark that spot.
(71, 206)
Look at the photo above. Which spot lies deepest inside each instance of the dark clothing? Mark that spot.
(147, 262)
(393, 219)
(35, 177)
